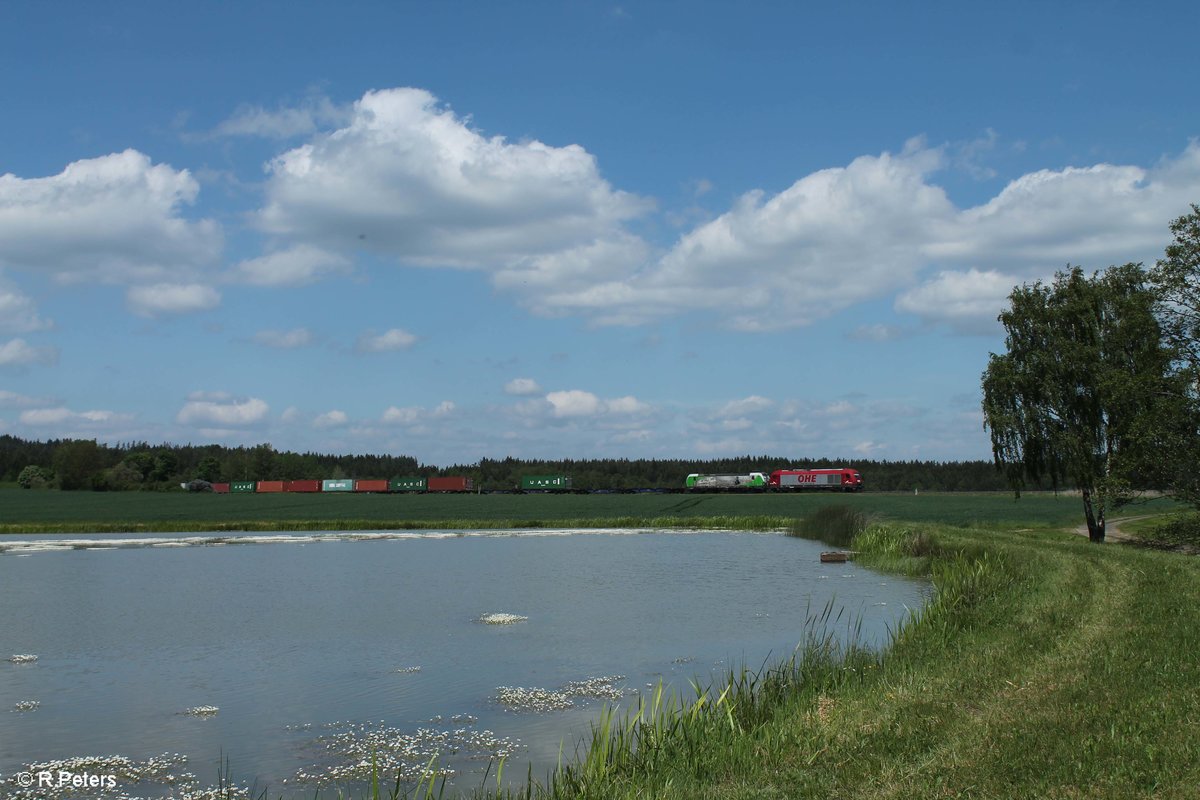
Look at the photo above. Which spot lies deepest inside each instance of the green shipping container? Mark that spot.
(339, 485)
(545, 482)
(242, 486)
(406, 485)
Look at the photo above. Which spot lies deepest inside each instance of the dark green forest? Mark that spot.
(84, 464)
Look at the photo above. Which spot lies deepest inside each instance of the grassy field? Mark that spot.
(55, 511)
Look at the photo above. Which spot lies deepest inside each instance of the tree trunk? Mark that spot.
(1095, 517)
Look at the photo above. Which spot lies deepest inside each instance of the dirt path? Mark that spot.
(1112, 530)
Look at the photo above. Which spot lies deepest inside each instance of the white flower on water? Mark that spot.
(201, 711)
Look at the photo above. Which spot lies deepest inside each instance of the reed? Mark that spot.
(836, 525)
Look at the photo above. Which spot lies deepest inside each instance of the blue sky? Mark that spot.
(466, 230)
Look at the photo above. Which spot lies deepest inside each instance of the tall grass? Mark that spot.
(836, 525)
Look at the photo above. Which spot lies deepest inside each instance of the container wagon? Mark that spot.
(839, 479)
(239, 487)
(406, 485)
(370, 486)
(552, 482)
(338, 485)
(449, 484)
(753, 480)
(302, 486)
(221, 488)
(268, 487)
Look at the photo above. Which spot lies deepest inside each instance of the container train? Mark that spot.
(838, 479)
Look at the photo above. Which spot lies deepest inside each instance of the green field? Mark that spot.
(55, 511)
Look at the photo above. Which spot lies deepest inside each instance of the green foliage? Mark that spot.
(1176, 279)
(79, 463)
(1081, 390)
(1183, 529)
(34, 477)
(209, 469)
(836, 525)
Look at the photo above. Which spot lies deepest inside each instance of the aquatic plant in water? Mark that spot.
(501, 619)
(366, 751)
(200, 711)
(158, 776)
(23, 658)
(27, 705)
(517, 698)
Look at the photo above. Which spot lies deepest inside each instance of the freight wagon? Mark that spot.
(370, 486)
(840, 479)
(406, 485)
(539, 482)
(753, 480)
(449, 484)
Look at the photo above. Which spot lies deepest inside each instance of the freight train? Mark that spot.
(446, 484)
(839, 479)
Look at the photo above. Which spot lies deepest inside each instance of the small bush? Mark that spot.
(34, 477)
(1183, 529)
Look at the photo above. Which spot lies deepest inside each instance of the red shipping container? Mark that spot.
(451, 484)
(269, 486)
(303, 486)
(371, 486)
(221, 488)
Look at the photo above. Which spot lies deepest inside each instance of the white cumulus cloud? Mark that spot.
(578, 403)
(408, 178)
(331, 419)
(18, 314)
(115, 219)
(388, 341)
(411, 415)
(18, 352)
(162, 299)
(522, 387)
(222, 412)
(295, 266)
(968, 300)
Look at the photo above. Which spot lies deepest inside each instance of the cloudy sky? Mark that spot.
(462, 230)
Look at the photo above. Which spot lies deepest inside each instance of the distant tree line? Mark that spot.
(74, 464)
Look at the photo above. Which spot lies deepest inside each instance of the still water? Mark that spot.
(319, 648)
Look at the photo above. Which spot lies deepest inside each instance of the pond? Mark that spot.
(284, 661)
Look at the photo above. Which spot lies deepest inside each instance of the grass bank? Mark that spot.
(1045, 667)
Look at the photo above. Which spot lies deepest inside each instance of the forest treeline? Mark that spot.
(75, 464)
